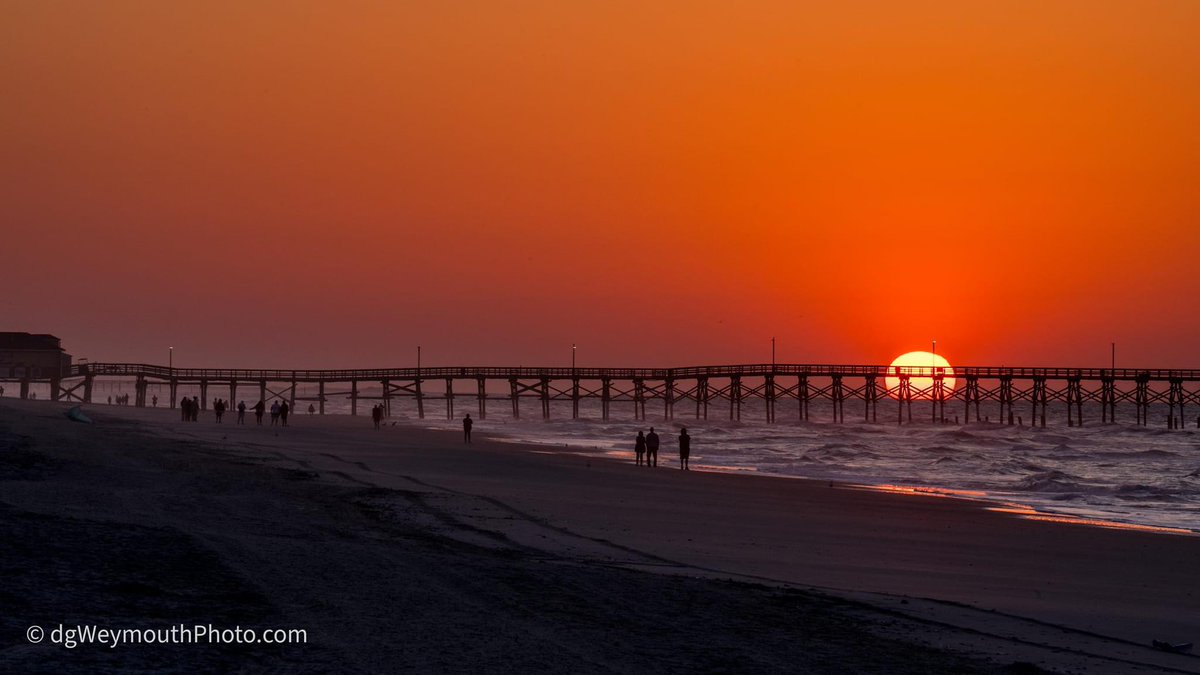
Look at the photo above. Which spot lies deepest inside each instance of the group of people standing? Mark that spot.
(190, 410)
(645, 448)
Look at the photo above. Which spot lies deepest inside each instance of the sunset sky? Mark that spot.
(290, 184)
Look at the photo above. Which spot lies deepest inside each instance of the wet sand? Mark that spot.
(401, 549)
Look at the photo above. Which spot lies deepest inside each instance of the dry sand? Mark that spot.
(403, 550)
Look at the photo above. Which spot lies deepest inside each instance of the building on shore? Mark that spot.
(32, 356)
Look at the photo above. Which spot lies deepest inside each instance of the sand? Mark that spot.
(403, 550)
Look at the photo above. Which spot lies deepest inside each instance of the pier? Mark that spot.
(697, 392)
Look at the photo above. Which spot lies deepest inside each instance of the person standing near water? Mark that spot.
(284, 409)
(275, 413)
(685, 448)
(259, 409)
(651, 448)
(241, 412)
(639, 447)
(467, 424)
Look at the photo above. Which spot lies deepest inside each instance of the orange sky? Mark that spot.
(330, 184)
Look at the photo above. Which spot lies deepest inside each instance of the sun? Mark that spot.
(921, 367)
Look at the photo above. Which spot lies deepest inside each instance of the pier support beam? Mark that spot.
(545, 395)
(605, 397)
(669, 400)
(353, 397)
(735, 398)
(1039, 401)
(204, 394)
(481, 383)
(769, 393)
(1006, 398)
(516, 398)
(1108, 399)
(702, 394)
(420, 398)
(574, 398)
(321, 397)
(1074, 402)
(1142, 399)
(449, 398)
(802, 395)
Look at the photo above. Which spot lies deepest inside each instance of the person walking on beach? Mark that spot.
(183, 409)
(651, 448)
(311, 409)
(639, 447)
(685, 448)
(218, 409)
(153, 400)
(241, 412)
(284, 409)
(259, 409)
(275, 413)
(467, 423)
(376, 415)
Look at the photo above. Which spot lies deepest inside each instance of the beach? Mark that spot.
(404, 550)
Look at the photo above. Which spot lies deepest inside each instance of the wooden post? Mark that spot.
(353, 397)
(639, 401)
(516, 398)
(482, 382)
(839, 397)
(321, 397)
(605, 397)
(702, 397)
(387, 397)
(292, 397)
(55, 388)
(545, 392)
(262, 393)
(420, 398)
(204, 394)
(174, 390)
(735, 398)
(802, 396)
(233, 393)
(87, 388)
(769, 393)
(575, 397)
(449, 398)
(669, 399)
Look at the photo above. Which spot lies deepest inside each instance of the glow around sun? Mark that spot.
(920, 366)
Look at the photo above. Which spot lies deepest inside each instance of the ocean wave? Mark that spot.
(1049, 481)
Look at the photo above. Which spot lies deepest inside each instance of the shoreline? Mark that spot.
(993, 501)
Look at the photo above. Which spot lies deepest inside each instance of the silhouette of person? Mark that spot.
(377, 415)
(467, 424)
(218, 409)
(651, 448)
(110, 400)
(275, 413)
(284, 409)
(241, 412)
(184, 411)
(153, 399)
(259, 409)
(311, 409)
(639, 447)
(685, 448)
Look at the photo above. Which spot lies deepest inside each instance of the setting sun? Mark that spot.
(921, 366)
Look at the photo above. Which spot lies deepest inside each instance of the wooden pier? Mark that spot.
(696, 392)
